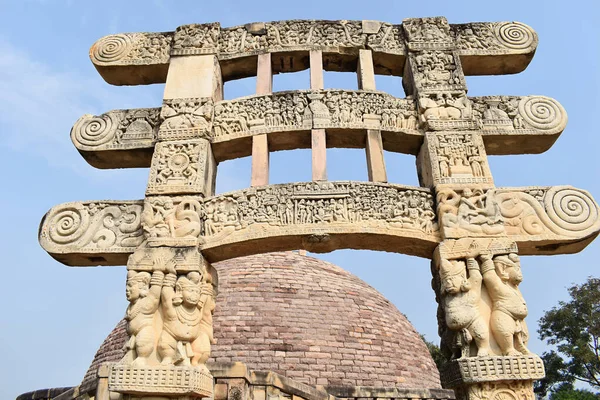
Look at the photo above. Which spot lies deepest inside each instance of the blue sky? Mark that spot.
(56, 317)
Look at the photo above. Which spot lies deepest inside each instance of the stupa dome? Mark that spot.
(308, 320)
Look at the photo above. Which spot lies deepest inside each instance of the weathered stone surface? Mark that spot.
(486, 369)
(92, 233)
(142, 58)
(118, 138)
(125, 138)
(323, 217)
(183, 381)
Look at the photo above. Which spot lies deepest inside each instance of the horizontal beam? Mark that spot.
(316, 216)
(510, 125)
(142, 58)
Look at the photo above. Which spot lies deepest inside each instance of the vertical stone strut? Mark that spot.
(318, 137)
(260, 143)
(374, 145)
(476, 269)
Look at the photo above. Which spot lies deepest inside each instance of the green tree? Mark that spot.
(573, 328)
(436, 353)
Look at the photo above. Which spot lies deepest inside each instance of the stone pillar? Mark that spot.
(260, 143)
(374, 144)
(476, 268)
(166, 356)
(318, 136)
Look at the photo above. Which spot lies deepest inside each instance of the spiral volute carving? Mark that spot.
(68, 224)
(515, 35)
(111, 49)
(571, 209)
(541, 112)
(94, 131)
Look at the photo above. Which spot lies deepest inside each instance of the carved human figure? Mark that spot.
(502, 276)
(143, 293)
(460, 298)
(187, 304)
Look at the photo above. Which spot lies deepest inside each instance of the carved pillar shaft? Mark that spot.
(476, 270)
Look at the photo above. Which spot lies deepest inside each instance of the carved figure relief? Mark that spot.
(95, 227)
(292, 35)
(116, 129)
(427, 33)
(389, 38)
(446, 111)
(186, 118)
(165, 222)
(178, 167)
(460, 296)
(458, 158)
(468, 212)
(196, 39)
(169, 318)
(312, 109)
(320, 203)
(435, 71)
(502, 276)
(513, 390)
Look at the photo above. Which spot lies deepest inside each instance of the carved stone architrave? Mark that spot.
(184, 166)
(454, 159)
(318, 109)
(447, 111)
(196, 39)
(469, 212)
(385, 37)
(186, 119)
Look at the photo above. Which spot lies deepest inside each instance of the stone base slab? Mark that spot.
(168, 381)
(490, 369)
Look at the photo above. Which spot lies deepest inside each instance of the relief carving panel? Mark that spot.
(92, 227)
(117, 130)
(179, 167)
(132, 49)
(456, 158)
(186, 118)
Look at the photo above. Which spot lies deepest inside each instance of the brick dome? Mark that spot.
(308, 320)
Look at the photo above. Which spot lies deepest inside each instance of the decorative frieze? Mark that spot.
(163, 380)
(489, 369)
(173, 221)
(196, 39)
(432, 33)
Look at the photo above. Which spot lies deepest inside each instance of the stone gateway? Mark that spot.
(270, 337)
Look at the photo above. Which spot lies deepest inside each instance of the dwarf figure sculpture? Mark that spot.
(187, 304)
(460, 299)
(143, 292)
(502, 276)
